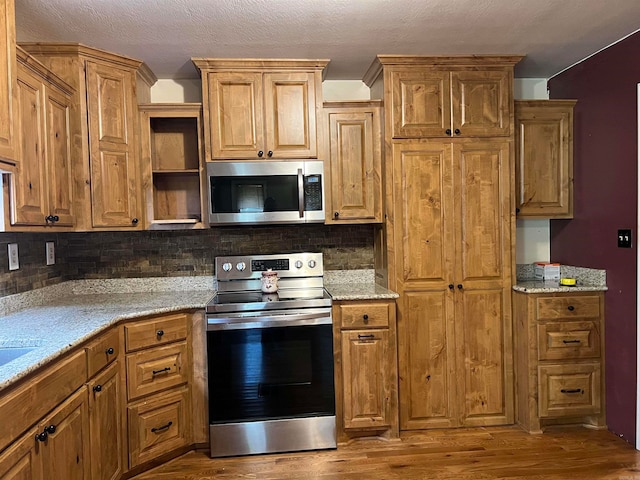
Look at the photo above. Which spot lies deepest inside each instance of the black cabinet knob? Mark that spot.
(41, 437)
(571, 308)
(109, 351)
(517, 210)
(336, 214)
(51, 429)
(134, 221)
(49, 218)
(97, 388)
(260, 153)
(365, 317)
(457, 131)
(160, 333)
(448, 131)
(451, 286)
(270, 153)
(459, 286)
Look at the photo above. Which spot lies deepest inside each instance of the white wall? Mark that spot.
(532, 236)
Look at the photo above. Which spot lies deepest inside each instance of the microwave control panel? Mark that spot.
(313, 192)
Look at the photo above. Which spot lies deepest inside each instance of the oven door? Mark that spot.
(258, 374)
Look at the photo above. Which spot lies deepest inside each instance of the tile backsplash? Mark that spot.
(97, 255)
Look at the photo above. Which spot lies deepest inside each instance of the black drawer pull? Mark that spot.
(109, 351)
(571, 308)
(42, 437)
(572, 390)
(165, 369)
(160, 333)
(570, 341)
(97, 388)
(371, 336)
(159, 429)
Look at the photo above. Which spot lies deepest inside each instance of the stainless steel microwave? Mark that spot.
(247, 193)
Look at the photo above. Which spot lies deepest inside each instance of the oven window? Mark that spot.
(254, 194)
(261, 374)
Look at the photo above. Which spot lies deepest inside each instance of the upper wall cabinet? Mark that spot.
(104, 119)
(447, 96)
(41, 187)
(353, 163)
(260, 109)
(7, 85)
(544, 158)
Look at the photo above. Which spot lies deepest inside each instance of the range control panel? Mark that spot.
(252, 266)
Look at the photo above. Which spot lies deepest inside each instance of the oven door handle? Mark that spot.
(300, 193)
(268, 321)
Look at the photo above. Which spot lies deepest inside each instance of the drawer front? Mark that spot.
(156, 369)
(21, 408)
(155, 331)
(568, 340)
(102, 351)
(550, 308)
(566, 390)
(158, 426)
(363, 315)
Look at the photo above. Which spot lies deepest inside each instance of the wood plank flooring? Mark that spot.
(461, 454)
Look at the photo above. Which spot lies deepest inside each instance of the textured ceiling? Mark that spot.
(553, 34)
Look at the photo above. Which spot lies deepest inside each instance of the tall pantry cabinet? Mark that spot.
(104, 119)
(449, 234)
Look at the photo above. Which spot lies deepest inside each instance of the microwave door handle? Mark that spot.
(300, 193)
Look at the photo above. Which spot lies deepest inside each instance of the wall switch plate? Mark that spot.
(624, 238)
(14, 264)
(51, 253)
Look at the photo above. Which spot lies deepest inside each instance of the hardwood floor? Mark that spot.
(461, 454)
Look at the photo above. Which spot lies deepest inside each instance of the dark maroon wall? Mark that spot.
(605, 196)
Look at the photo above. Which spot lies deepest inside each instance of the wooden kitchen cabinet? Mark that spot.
(104, 120)
(158, 383)
(8, 85)
(354, 160)
(366, 370)
(560, 359)
(447, 96)
(173, 175)
(260, 109)
(21, 461)
(40, 189)
(544, 158)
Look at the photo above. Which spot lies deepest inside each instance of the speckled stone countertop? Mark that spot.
(57, 325)
(355, 285)
(587, 280)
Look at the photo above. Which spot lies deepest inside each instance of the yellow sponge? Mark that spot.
(568, 282)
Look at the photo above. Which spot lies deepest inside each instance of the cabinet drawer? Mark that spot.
(156, 369)
(102, 351)
(550, 308)
(569, 389)
(568, 340)
(157, 426)
(155, 331)
(364, 315)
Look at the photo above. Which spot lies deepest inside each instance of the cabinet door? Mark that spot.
(112, 146)
(21, 460)
(29, 195)
(60, 181)
(544, 160)
(365, 363)
(423, 256)
(483, 283)
(290, 115)
(481, 103)
(106, 425)
(421, 104)
(8, 69)
(356, 164)
(65, 453)
(236, 115)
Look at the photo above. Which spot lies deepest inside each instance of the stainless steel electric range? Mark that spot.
(270, 357)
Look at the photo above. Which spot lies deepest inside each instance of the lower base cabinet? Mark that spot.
(366, 369)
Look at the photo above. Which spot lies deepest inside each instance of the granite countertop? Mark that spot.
(63, 323)
(553, 286)
(587, 280)
(355, 285)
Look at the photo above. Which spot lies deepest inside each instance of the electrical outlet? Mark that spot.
(624, 238)
(14, 264)
(51, 253)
